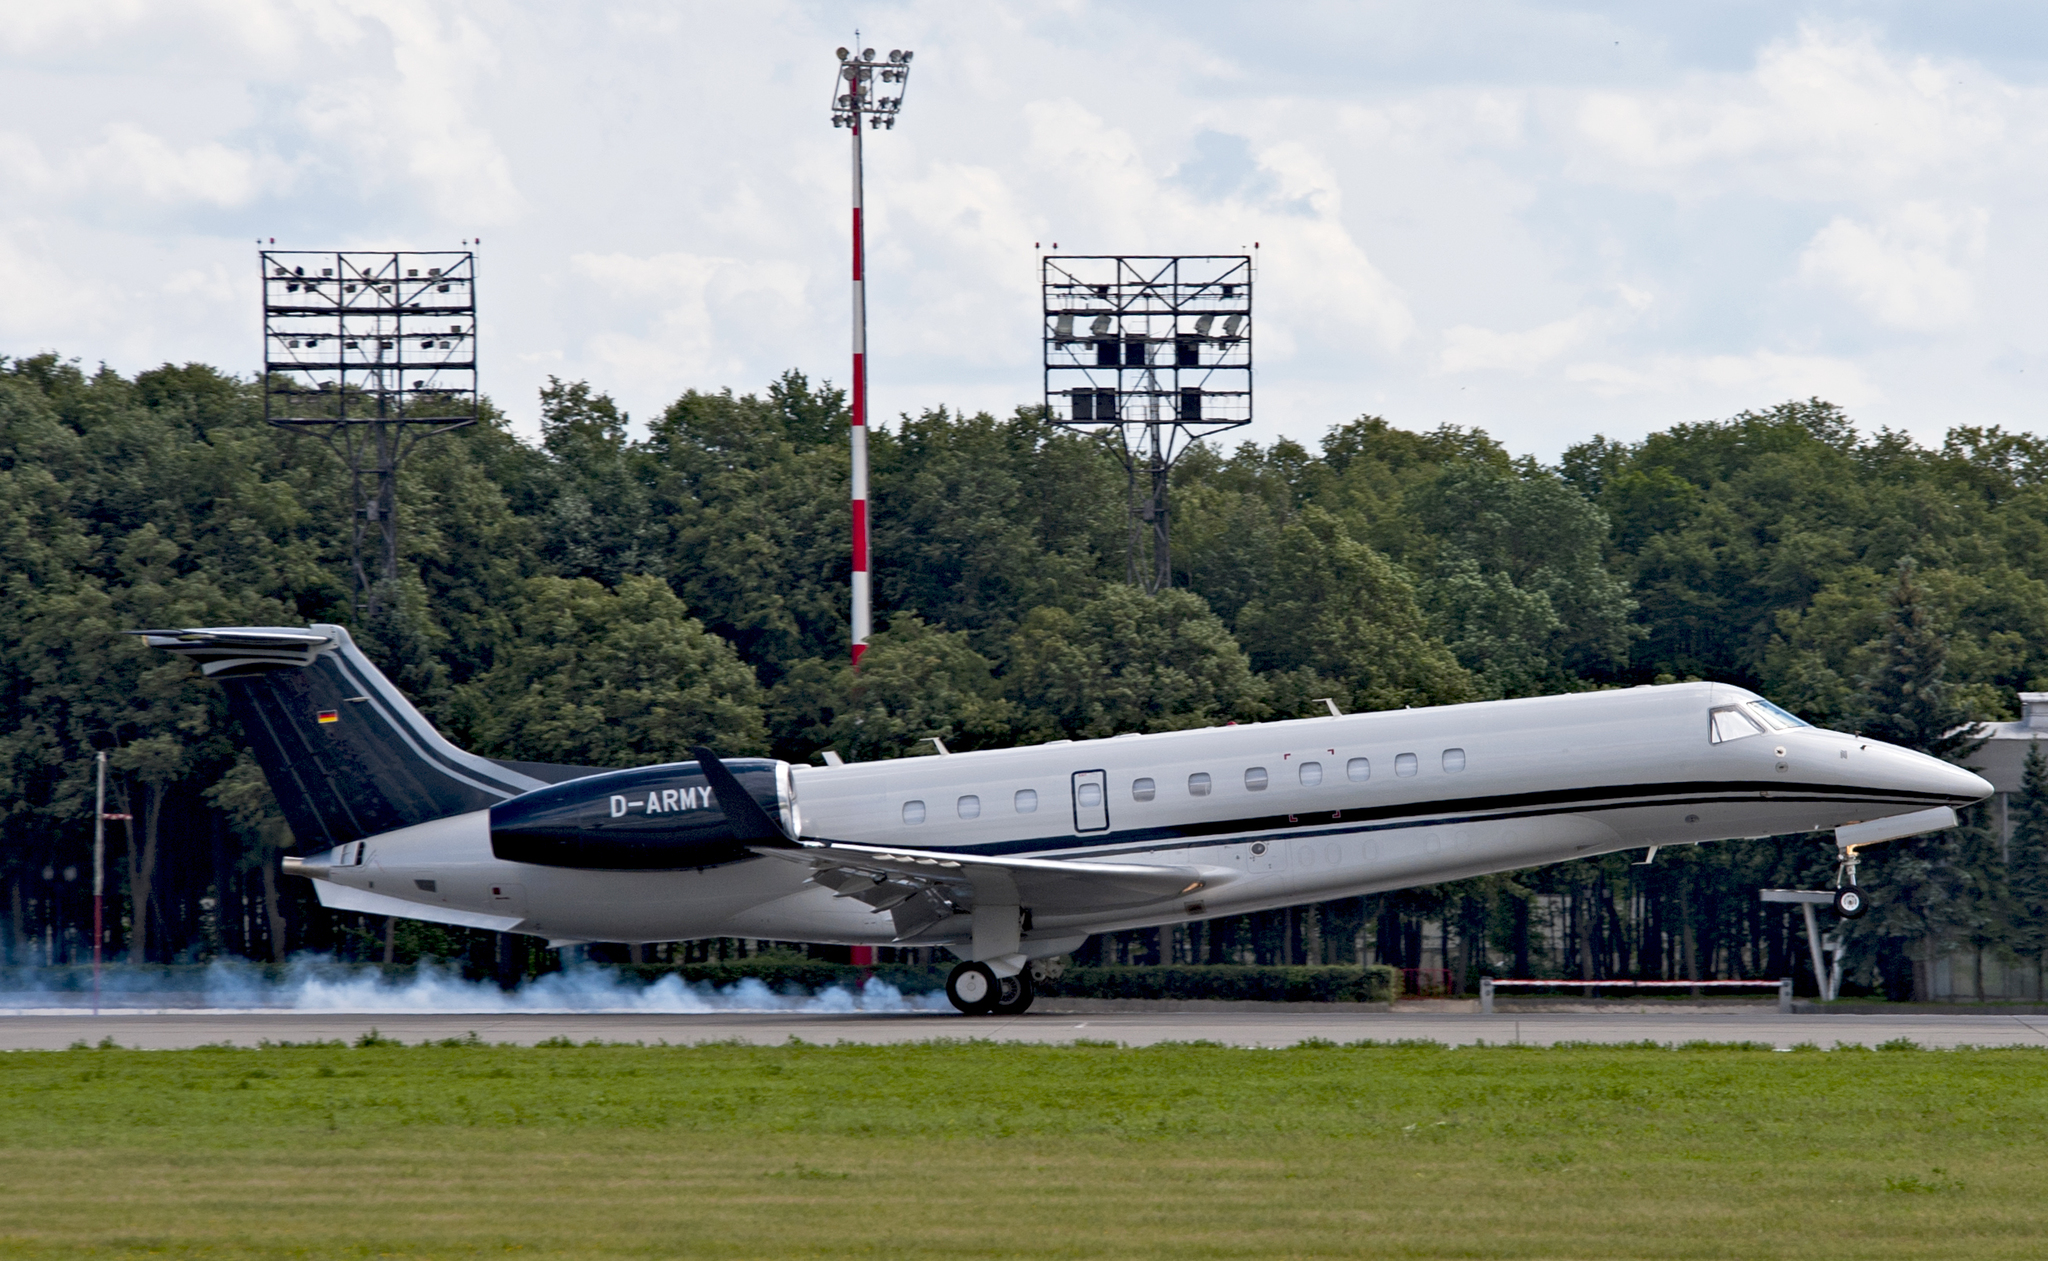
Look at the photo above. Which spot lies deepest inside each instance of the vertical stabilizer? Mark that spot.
(346, 755)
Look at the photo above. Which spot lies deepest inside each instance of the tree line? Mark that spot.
(610, 595)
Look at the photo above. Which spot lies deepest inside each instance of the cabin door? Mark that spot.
(1091, 801)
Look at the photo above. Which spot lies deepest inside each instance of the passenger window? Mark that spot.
(1311, 774)
(1088, 794)
(1255, 779)
(970, 807)
(1730, 723)
(1404, 764)
(1143, 790)
(1198, 784)
(1358, 770)
(1454, 761)
(913, 812)
(1026, 800)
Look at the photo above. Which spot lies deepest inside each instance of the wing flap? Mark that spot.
(921, 887)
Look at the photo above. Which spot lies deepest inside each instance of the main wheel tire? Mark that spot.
(973, 988)
(1850, 902)
(1017, 995)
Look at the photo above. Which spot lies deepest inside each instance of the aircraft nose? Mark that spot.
(1958, 785)
(1969, 783)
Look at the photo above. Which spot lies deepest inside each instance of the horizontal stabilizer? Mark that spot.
(337, 897)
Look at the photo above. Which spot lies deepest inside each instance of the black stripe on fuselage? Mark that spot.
(1342, 821)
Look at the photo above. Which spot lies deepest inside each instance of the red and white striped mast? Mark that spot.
(858, 100)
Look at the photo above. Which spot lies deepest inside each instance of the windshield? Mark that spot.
(1731, 723)
(1751, 718)
(1777, 717)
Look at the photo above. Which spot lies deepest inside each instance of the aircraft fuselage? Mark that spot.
(1275, 814)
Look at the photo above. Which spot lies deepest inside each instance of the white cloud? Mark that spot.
(1468, 348)
(699, 311)
(1761, 375)
(38, 294)
(407, 123)
(131, 165)
(1469, 231)
(1901, 269)
(1319, 287)
(1824, 113)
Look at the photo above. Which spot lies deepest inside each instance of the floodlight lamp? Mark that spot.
(842, 54)
(867, 54)
(895, 54)
(906, 54)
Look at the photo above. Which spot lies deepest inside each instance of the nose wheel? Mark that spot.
(1850, 903)
(976, 990)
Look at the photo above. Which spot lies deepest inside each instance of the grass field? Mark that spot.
(974, 1149)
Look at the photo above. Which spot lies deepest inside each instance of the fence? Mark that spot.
(1487, 986)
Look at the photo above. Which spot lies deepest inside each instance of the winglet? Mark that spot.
(750, 823)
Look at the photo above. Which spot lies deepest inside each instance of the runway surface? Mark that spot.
(1277, 1027)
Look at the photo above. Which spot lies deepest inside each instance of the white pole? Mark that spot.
(99, 876)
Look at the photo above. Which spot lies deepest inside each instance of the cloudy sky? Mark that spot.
(1542, 219)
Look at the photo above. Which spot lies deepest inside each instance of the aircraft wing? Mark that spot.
(921, 887)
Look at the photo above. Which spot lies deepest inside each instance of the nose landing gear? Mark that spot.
(976, 990)
(1849, 900)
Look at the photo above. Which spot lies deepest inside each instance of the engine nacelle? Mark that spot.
(654, 818)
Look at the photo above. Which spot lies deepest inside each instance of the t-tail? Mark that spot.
(346, 755)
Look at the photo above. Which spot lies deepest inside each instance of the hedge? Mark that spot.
(1372, 984)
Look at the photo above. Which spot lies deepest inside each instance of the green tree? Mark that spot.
(1125, 661)
(1521, 587)
(622, 677)
(1907, 698)
(1335, 619)
(915, 682)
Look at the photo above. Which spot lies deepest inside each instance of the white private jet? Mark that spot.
(1010, 855)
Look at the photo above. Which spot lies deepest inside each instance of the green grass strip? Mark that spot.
(982, 1149)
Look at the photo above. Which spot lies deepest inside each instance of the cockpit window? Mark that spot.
(1730, 723)
(1775, 717)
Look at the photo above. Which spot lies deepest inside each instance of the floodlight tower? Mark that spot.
(1162, 355)
(856, 101)
(373, 352)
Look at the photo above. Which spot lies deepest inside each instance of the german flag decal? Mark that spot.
(329, 715)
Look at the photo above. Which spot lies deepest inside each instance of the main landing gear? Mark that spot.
(976, 990)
